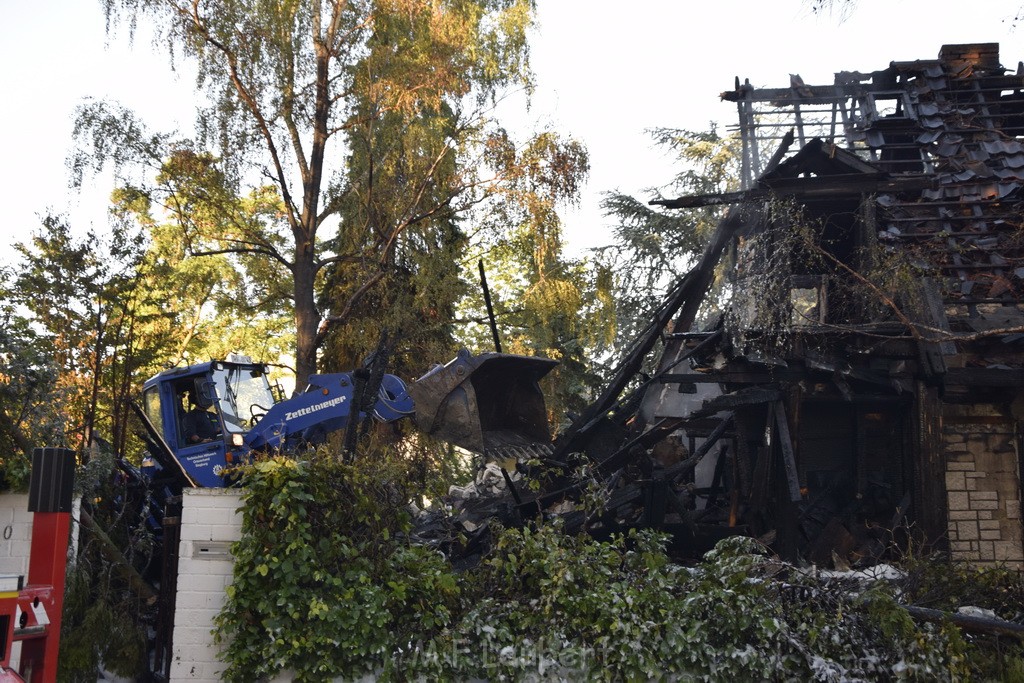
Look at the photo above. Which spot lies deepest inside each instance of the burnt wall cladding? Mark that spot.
(983, 486)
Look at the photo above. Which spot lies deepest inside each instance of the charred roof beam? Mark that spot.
(823, 187)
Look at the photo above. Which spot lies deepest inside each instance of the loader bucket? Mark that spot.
(485, 403)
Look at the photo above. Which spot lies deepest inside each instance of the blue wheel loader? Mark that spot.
(201, 419)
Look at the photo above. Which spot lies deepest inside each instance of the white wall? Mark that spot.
(15, 545)
(210, 522)
(15, 533)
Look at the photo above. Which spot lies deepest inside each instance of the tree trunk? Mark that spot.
(306, 316)
(17, 435)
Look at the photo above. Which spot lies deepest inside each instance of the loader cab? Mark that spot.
(204, 412)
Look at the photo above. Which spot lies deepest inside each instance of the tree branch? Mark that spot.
(250, 101)
(243, 250)
(332, 320)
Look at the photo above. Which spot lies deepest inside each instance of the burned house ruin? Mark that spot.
(866, 383)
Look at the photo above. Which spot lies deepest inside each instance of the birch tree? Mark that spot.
(307, 105)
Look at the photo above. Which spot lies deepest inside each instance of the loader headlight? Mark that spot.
(236, 440)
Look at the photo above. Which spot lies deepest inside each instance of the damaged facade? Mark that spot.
(867, 380)
(882, 383)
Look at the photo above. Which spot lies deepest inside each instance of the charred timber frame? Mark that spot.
(684, 299)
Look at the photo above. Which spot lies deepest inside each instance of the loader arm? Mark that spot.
(324, 407)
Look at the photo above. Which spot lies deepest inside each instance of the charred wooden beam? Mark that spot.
(748, 396)
(511, 487)
(705, 269)
(932, 313)
(929, 484)
(627, 495)
(780, 153)
(704, 344)
(985, 377)
(684, 299)
(716, 478)
(793, 374)
(747, 133)
(736, 485)
(656, 503)
(732, 377)
(644, 441)
(788, 456)
(820, 361)
(688, 465)
(819, 187)
(807, 94)
(760, 488)
(573, 438)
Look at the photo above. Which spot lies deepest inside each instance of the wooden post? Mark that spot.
(929, 488)
(788, 456)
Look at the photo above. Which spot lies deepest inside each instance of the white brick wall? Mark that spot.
(15, 544)
(209, 524)
(982, 490)
(15, 533)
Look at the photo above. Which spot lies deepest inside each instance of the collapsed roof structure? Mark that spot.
(868, 374)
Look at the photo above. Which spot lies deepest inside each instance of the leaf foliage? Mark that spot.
(327, 585)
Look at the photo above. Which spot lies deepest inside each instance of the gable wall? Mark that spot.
(980, 449)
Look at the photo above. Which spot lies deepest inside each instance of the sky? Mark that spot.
(607, 72)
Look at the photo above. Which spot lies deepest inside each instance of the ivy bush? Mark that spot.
(328, 585)
(323, 585)
(561, 608)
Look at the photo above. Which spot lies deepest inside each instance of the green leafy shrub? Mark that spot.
(324, 583)
(105, 618)
(545, 602)
(936, 582)
(568, 608)
(328, 585)
(15, 468)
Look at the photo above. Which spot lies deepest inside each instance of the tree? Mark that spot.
(546, 304)
(657, 246)
(63, 284)
(89, 317)
(84, 300)
(213, 305)
(307, 103)
(28, 414)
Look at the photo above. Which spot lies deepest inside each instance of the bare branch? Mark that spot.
(244, 250)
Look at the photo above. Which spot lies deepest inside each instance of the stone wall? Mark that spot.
(982, 485)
